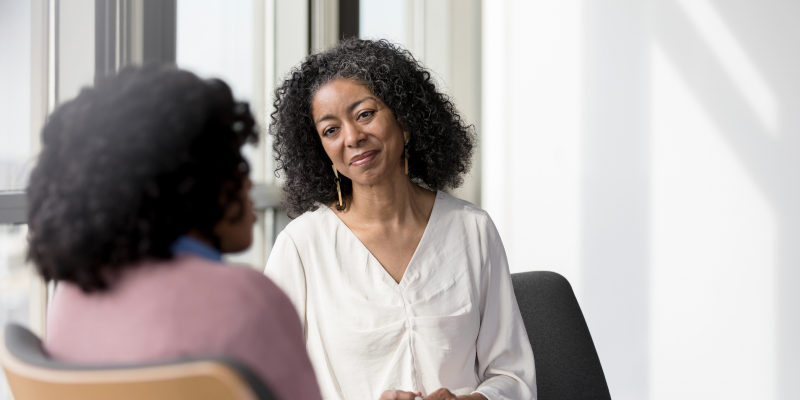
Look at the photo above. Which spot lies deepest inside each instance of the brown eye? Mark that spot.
(365, 114)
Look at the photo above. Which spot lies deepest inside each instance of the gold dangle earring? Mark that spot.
(338, 188)
(405, 149)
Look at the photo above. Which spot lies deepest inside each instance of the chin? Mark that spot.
(369, 177)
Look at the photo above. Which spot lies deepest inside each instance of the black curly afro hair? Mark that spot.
(128, 166)
(440, 146)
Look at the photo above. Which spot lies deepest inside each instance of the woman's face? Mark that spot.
(234, 234)
(359, 132)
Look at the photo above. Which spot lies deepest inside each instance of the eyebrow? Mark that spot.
(350, 108)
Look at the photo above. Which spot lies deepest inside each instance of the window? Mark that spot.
(245, 44)
(21, 36)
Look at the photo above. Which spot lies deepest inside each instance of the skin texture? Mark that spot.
(386, 210)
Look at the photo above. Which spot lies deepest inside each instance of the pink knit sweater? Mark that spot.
(185, 307)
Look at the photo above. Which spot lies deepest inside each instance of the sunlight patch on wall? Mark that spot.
(735, 60)
(713, 279)
(494, 113)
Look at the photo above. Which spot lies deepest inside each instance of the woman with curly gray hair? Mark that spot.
(403, 290)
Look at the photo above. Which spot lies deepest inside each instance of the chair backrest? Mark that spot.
(567, 365)
(33, 375)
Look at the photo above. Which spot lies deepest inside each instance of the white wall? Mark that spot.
(649, 151)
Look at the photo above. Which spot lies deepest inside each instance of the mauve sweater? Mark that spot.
(185, 307)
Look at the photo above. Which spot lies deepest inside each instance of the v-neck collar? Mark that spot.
(386, 277)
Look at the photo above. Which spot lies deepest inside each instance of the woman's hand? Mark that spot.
(444, 394)
(441, 394)
(399, 395)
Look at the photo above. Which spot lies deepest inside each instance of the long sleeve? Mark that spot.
(505, 358)
(285, 268)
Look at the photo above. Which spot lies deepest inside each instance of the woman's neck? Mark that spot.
(391, 202)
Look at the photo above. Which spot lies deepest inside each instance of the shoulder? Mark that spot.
(235, 284)
(259, 294)
(246, 292)
(457, 218)
(253, 285)
(252, 314)
(454, 210)
(310, 224)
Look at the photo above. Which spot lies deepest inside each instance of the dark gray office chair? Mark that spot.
(567, 365)
(33, 375)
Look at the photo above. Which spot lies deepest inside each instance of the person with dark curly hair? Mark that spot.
(139, 189)
(403, 290)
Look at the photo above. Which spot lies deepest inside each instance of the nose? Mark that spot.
(353, 135)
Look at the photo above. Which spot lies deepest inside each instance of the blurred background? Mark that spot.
(645, 149)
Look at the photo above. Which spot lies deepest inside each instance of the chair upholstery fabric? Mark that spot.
(567, 365)
(27, 347)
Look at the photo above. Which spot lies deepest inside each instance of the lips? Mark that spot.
(363, 158)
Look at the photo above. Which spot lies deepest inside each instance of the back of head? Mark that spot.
(128, 166)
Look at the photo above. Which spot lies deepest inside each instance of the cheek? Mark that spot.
(248, 219)
(239, 235)
(333, 149)
(392, 137)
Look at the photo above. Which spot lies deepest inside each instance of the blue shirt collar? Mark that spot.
(187, 244)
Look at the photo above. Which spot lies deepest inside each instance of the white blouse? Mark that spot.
(451, 322)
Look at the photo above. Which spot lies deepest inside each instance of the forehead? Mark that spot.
(338, 94)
